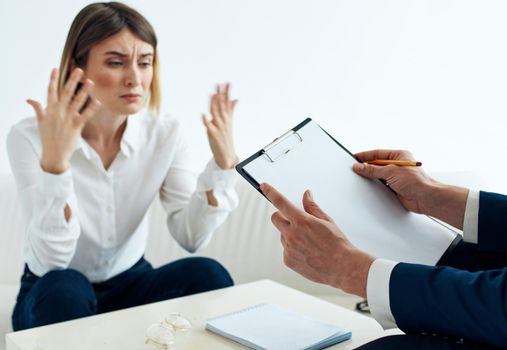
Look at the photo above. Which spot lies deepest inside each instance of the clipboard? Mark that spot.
(367, 211)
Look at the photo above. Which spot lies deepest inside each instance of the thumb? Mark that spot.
(370, 171)
(313, 208)
(38, 109)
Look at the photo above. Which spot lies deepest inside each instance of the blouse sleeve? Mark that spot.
(50, 240)
(191, 220)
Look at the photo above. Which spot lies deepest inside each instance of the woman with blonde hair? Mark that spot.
(90, 164)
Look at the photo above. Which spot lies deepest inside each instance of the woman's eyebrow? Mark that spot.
(117, 53)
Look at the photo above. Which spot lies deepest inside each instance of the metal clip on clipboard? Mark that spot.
(282, 145)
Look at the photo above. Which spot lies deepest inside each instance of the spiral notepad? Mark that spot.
(270, 327)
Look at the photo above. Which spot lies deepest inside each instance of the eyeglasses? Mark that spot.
(162, 334)
(363, 306)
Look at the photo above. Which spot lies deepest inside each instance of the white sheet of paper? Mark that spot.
(367, 212)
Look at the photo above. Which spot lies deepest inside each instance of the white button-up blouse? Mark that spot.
(107, 231)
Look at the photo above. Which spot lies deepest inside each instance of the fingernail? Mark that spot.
(310, 195)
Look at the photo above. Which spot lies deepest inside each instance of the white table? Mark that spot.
(125, 329)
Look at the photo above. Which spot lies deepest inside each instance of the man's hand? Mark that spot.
(315, 247)
(411, 184)
(416, 191)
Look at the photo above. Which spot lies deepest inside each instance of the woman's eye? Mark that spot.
(114, 63)
(144, 64)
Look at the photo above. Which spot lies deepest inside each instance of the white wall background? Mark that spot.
(429, 76)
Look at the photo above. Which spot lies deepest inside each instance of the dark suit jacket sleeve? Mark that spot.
(492, 230)
(452, 302)
(491, 250)
(468, 297)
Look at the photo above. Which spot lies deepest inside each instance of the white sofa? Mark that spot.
(247, 244)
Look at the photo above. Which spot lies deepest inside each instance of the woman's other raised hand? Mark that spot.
(61, 122)
(219, 127)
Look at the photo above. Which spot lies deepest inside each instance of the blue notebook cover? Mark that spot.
(270, 327)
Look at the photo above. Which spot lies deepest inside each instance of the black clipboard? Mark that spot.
(293, 141)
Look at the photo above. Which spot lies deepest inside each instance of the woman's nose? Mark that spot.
(132, 76)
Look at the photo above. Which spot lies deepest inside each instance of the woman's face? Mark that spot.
(121, 67)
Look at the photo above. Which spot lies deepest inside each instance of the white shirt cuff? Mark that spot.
(471, 221)
(57, 186)
(222, 182)
(215, 178)
(58, 191)
(377, 291)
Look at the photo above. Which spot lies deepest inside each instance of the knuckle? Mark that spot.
(406, 153)
(369, 170)
(391, 171)
(300, 220)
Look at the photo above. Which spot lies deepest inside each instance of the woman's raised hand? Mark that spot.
(219, 127)
(61, 122)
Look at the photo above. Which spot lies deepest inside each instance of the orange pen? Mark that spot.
(395, 162)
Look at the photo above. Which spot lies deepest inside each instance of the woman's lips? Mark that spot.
(131, 97)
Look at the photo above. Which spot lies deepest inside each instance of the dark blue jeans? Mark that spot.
(63, 295)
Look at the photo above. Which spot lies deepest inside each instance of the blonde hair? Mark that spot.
(97, 22)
